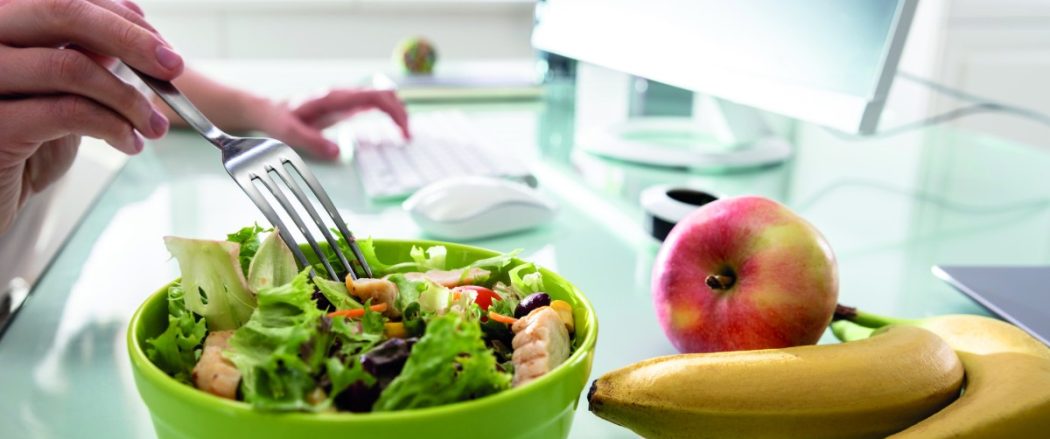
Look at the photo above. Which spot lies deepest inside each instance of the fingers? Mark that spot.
(126, 10)
(134, 7)
(43, 119)
(51, 23)
(63, 71)
(301, 136)
(318, 112)
(392, 105)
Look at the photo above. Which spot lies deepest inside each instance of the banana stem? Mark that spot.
(843, 312)
(846, 330)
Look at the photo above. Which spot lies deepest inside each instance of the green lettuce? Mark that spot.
(272, 265)
(343, 376)
(434, 299)
(282, 348)
(413, 319)
(213, 280)
(527, 283)
(248, 238)
(358, 337)
(504, 306)
(407, 291)
(368, 251)
(450, 363)
(495, 263)
(407, 302)
(177, 349)
(433, 258)
(336, 293)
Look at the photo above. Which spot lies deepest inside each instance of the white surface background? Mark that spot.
(995, 48)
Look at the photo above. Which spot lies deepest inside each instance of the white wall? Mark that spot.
(997, 49)
(347, 29)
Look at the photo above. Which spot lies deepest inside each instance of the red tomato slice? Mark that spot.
(484, 297)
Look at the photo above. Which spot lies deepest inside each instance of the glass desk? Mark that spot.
(891, 209)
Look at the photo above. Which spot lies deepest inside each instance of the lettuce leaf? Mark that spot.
(408, 302)
(433, 258)
(343, 376)
(336, 293)
(434, 299)
(213, 281)
(407, 291)
(450, 363)
(495, 263)
(368, 250)
(248, 238)
(414, 321)
(177, 349)
(527, 283)
(272, 265)
(282, 348)
(355, 337)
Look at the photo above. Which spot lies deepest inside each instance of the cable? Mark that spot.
(980, 105)
(941, 88)
(926, 197)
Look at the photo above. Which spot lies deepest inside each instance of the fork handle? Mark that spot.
(185, 109)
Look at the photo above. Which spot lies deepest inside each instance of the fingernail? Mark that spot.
(168, 58)
(158, 123)
(138, 142)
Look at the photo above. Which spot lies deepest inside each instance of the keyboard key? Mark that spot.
(443, 144)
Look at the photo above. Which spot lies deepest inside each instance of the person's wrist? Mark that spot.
(256, 112)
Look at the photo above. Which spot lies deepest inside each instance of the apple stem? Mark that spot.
(843, 312)
(720, 281)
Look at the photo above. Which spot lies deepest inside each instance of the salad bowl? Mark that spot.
(543, 408)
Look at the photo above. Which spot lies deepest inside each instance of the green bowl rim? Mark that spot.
(185, 392)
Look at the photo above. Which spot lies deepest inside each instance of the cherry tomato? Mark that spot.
(484, 297)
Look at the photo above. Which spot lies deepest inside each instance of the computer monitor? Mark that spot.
(829, 62)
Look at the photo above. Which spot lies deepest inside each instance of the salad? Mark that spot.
(245, 323)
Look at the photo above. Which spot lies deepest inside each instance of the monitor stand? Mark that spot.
(721, 136)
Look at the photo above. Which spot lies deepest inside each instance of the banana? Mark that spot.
(963, 332)
(866, 389)
(1007, 389)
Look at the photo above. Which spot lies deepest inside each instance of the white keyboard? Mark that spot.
(443, 144)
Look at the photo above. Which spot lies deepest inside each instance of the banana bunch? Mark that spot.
(869, 388)
(1007, 389)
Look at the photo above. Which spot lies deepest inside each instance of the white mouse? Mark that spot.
(478, 207)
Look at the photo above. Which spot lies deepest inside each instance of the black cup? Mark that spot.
(665, 206)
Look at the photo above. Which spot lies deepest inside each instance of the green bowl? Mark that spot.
(541, 409)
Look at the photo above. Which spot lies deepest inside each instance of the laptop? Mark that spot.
(1019, 295)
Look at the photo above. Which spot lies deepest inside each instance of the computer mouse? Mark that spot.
(478, 207)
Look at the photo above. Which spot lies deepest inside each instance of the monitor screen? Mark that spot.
(781, 56)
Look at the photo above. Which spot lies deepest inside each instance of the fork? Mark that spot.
(258, 159)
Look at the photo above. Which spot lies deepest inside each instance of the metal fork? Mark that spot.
(257, 159)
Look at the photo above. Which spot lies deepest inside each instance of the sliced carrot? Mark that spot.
(502, 318)
(351, 313)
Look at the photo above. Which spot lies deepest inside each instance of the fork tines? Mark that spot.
(272, 161)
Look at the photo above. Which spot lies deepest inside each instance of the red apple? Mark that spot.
(744, 273)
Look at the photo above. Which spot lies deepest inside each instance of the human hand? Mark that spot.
(301, 126)
(55, 87)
